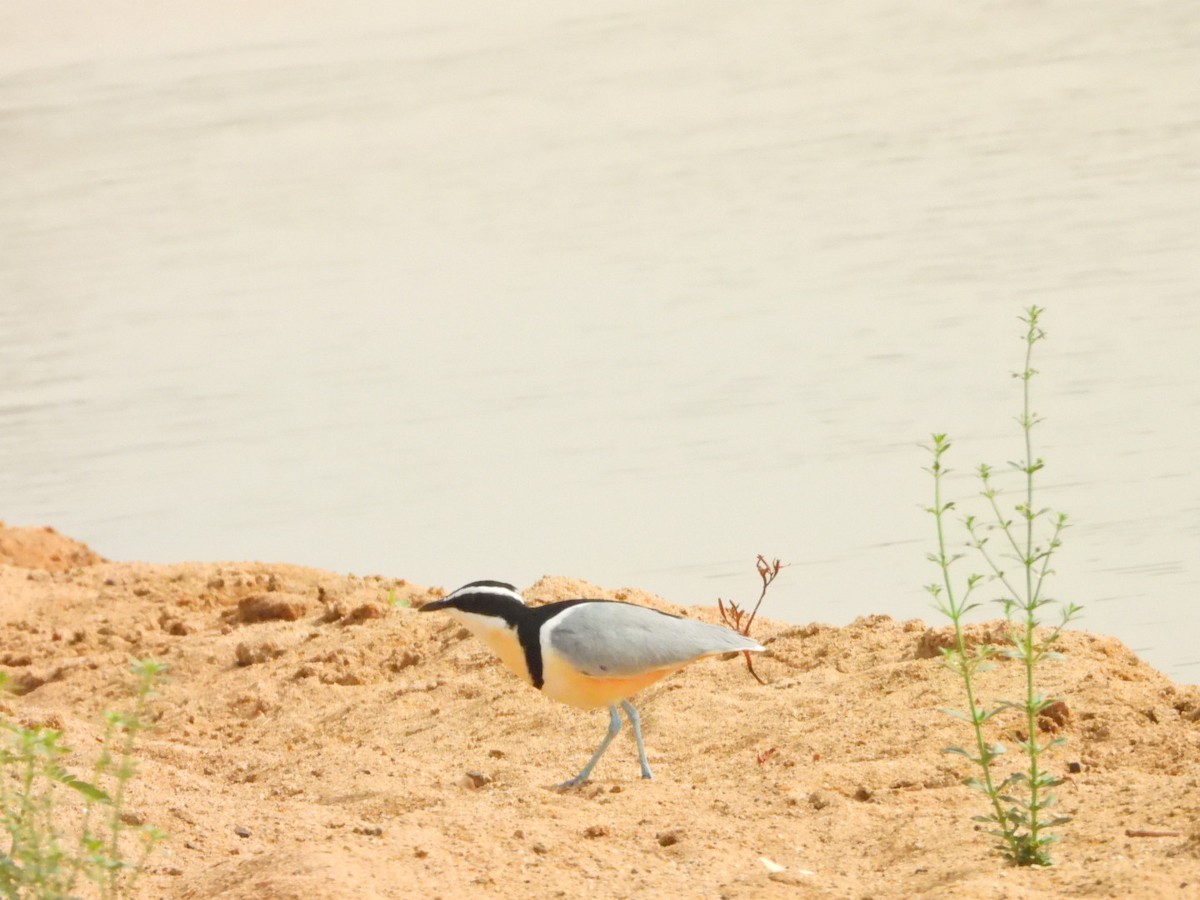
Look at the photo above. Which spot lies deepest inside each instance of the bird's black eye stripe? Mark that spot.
(494, 605)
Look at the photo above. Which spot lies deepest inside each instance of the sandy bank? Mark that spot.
(338, 730)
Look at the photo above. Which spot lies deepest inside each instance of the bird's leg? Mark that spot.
(614, 725)
(637, 734)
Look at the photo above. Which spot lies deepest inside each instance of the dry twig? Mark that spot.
(735, 617)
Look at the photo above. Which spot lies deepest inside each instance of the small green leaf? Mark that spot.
(86, 789)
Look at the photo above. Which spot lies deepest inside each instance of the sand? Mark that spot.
(315, 741)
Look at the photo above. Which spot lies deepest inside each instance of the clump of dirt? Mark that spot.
(43, 548)
(320, 738)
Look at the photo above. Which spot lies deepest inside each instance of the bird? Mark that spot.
(587, 653)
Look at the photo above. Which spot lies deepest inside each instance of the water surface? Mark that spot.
(454, 292)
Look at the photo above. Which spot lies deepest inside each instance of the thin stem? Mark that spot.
(1059, 525)
(1031, 706)
(1003, 523)
(955, 611)
(997, 572)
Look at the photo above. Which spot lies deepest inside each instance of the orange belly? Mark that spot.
(566, 685)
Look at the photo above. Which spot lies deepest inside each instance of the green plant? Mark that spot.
(43, 862)
(1020, 802)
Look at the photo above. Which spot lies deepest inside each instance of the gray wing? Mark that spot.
(620, 639)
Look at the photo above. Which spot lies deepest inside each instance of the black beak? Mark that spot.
(435, 606)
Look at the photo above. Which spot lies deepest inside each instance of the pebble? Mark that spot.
(670, 838)
(476, 779)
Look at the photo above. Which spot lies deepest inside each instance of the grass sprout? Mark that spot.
(1016, 550)
(42, 860)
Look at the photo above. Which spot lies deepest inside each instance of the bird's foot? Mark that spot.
(570, 784)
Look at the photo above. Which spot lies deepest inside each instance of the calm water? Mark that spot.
(449, 293)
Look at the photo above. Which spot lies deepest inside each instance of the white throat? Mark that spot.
(500, 637)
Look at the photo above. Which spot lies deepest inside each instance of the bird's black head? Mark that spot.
(482, 598)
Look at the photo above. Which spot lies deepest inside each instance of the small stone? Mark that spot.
(363, 612)
(333, 612)
(863, 794)
(420, 852)
(267, 608)
(669, 838)
(26, 682)
(369, 830)
(476, 779)
(398, 662)
(595, 831)
(1054, 717)
(822, 799)
(539, 848)
(1074, 767)
(496, 754)
(931, 643)
(247, 655)
(242, 832)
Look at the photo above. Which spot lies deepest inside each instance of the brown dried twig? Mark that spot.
(735, 617)
(1143, 832)
(766, 755)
